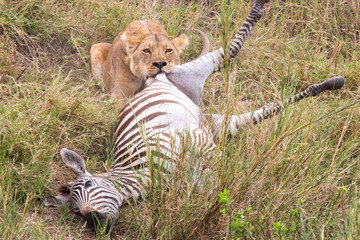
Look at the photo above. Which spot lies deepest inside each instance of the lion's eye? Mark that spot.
(88, 183)
(168, 50)
(146, 50)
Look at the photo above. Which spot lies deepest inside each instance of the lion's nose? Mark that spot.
(159, 64)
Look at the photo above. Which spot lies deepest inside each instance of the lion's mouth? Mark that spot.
(157, 72)
(160, 71)
(152, 70)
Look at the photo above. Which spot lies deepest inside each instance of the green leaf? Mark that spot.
(277, 225)
(225, 197)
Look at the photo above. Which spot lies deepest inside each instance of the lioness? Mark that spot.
(143, 49)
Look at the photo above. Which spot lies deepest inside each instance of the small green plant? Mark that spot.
(239, 226)
(290, 230)
(280, 230)
(225, 199)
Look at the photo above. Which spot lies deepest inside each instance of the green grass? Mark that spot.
(299, 172)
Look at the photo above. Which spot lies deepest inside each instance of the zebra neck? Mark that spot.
(127, 183)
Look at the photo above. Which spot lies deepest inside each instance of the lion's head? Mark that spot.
(150, 50)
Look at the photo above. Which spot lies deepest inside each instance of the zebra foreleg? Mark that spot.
(231, 124)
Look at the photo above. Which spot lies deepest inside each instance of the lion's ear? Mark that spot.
(126, 37)
(129, 40)
(181, 42)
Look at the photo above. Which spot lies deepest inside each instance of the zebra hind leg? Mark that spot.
(190, 77)
(222, 124)
(254, 16)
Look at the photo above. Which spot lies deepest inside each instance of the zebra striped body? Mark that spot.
(158, 113)
(156, 122)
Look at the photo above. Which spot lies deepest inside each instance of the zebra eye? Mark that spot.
(88, 183)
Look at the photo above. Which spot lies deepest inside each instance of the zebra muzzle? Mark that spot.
(97, 221)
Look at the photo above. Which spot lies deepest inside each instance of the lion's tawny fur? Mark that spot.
(141, 50)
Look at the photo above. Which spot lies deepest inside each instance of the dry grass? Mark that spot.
(300, 169)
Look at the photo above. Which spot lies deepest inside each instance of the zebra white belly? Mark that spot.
(181, 112)
(176, 116)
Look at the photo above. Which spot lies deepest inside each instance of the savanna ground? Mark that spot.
(295, 176)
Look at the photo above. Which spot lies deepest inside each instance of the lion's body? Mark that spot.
(143, 49)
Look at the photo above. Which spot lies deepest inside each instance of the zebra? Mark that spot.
(157, 119)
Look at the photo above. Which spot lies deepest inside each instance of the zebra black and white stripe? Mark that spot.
(157, 120)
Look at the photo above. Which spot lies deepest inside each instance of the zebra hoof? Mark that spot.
(261, 2)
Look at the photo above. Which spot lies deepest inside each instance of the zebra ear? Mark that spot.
(57, 201)
(75, 162)
(60, 200)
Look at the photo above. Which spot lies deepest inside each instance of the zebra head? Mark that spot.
(94, 197)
